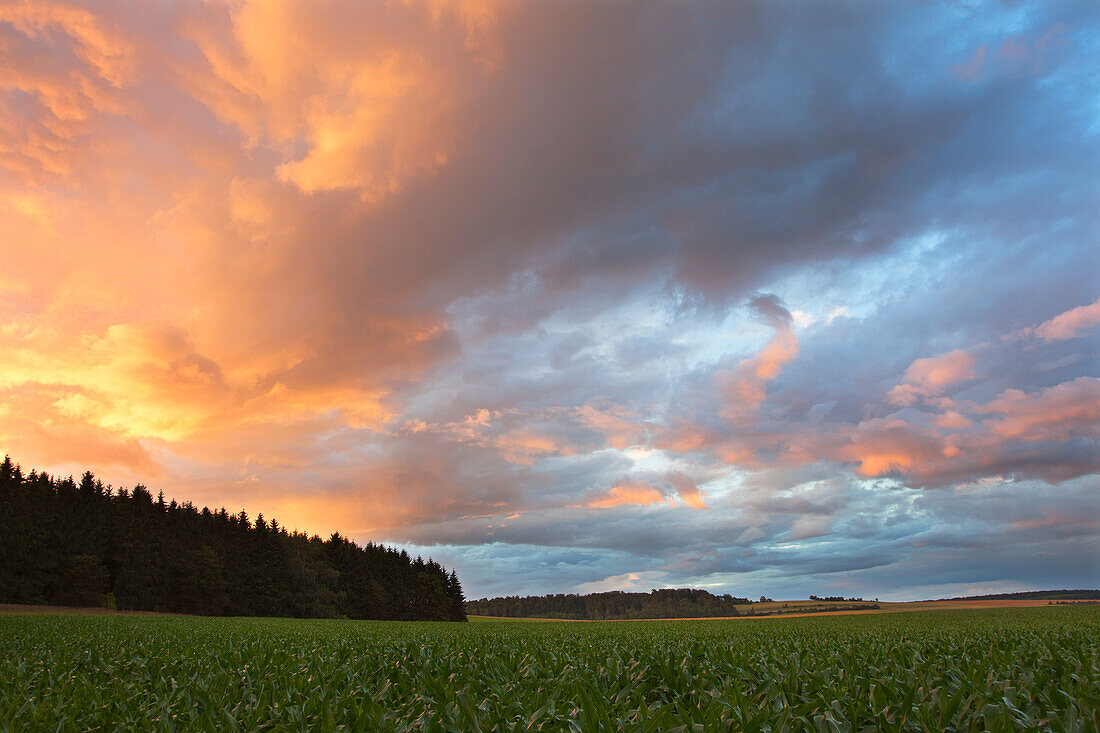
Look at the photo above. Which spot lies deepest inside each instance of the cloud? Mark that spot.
(932, 376)
(972, 69)
(744, 387)
(809, 527)
(665, 489)
(1053, 414)
(512, 434)
(628, 492)
(1070, 324)
(619, 428)
(686, 489)
(409, 270)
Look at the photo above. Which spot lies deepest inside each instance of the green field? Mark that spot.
(1002, 669)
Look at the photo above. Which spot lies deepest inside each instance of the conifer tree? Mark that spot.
(69, 543)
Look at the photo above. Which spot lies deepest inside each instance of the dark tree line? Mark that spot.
(72, 543)
(666, 603)
(1035, 595)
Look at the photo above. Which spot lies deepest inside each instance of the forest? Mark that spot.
(72, 543)
(664, 603)
(1036, 595)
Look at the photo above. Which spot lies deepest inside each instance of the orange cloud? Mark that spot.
(186, 192)
(686, 489)
(1053, 414)
(1069, 324)
(675, 485)
(380, 143)
(75, 69)
(367, 90)
(627, 492)
(137, 381)
(684, 436)
(232, 233)
(515, 442)
(524, 445)
(884, 446)
(932, 376)
(745, 387)
(620, 428)
(951, 420)
(37, 430)
(1055, 520)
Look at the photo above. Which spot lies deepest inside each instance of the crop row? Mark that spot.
(1010, 669)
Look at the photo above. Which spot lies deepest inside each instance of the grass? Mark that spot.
(1003, 669)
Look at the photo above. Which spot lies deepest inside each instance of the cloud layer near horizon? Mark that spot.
(773, 298)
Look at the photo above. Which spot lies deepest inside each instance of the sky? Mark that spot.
(766, 298)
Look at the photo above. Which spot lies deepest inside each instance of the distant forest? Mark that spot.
(1036, 595)
(666, 603)
(83, 544)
